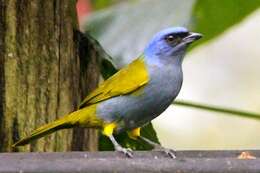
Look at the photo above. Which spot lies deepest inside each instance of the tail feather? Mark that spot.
(62, 123)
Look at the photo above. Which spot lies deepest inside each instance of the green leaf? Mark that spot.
(86, 42)
(213, 17)
(100, 4)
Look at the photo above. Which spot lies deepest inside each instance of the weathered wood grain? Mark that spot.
(41, 75)
(105, 162)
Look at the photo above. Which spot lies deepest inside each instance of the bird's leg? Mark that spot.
(158, 147)
(119, 148)
(135, 134)
(108, 131)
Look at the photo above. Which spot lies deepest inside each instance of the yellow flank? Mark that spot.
(135, 133)
(88, 117)
(125, 81)
(109, 129)
(138, 92)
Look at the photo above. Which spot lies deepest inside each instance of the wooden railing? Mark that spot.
(143, 161)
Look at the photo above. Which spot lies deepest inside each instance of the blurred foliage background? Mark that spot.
(221, 70)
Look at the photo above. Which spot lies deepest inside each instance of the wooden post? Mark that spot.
(41, 76)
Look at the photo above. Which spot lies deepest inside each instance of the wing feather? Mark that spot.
(125, 81)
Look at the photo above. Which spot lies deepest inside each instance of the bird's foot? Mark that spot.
(126, 151)
(169, 152)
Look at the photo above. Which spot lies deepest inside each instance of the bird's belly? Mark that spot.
(135, 110)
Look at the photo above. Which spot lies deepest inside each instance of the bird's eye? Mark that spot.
(170, 39)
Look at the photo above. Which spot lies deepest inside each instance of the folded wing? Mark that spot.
(125, 81)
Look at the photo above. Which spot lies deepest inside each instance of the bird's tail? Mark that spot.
(67, 121)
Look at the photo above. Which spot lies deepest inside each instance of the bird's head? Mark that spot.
(170, 42)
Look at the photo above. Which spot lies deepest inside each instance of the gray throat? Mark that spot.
(165, 82)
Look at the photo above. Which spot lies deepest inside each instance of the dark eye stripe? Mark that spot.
(183, 34)
(180, 34)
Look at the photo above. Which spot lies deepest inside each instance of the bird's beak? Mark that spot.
(192, 37)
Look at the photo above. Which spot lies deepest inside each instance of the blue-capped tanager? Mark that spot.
(133, 96)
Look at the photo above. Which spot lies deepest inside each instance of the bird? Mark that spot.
(133, 96)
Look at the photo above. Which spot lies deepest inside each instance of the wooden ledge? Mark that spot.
(143, 161)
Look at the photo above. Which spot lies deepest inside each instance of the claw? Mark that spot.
(169, 152)
(126, 151)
